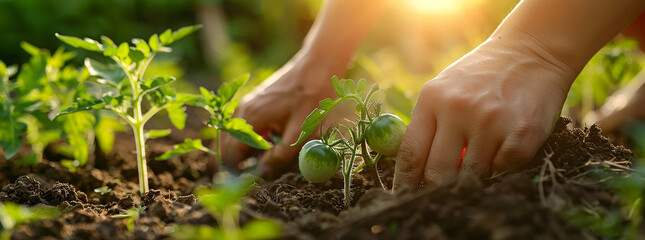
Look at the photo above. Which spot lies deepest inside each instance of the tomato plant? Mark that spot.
(129, 95)
(221, 106)
(316, 158)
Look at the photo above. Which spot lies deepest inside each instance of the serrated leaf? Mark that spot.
(361, 85)
(123, 51)
(228, 89)
(183, 32)
(108, 74)
(83, 104)
(153, 42)
(348, 87)
(157, 133)
(87, 44)
(177, 116)
(189, 145)
(241, 130)
(166, 37)
(335, 83)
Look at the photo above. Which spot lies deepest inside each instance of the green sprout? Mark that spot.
(131, 96)
(13, 215)
(223, 203)
(131, 215)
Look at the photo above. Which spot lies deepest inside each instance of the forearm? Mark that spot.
(567, 32)
(337, 32)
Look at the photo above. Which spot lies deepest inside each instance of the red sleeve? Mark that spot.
(637, 30)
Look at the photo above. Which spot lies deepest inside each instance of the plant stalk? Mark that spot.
(142, 166)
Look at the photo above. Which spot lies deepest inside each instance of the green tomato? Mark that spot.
(318, 162)
(384, 134)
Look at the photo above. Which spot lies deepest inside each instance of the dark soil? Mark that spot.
(572, 173)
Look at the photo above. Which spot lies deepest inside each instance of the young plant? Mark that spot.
(131, 96)
(12, 215)
(223, 203)
(319, 159)
(221, 106)
(131, 215)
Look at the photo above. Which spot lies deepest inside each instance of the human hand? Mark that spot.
(499, 102)
(279, 105)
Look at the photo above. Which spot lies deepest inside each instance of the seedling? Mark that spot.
(12, 215)
(131, 215)
(319, 159)
(102, 190)
(223, 203)
(221, 106)
(129, 90)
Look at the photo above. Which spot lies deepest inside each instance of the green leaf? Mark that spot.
(83, 104)
(87, 44)
(183, 32)
(11, 136)
(3, 69)
(228, 89)
(348, 86)
(166, 37)
(144, 48)
(136, 55)
(315, 118)
(29, 160)
(31, 49)
(107, 74)
(123, 51)
(262, 229)
(157, 133)
(188, 99)
(230, 108)
(155, 82)
(105, 129)
(177, 115)
(335, 83)
(75, 126)
(360, 85)
(154, 42)
(109, 46)
(189, 145)
(241, 130)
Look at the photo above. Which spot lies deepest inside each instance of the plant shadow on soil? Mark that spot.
(570, 171)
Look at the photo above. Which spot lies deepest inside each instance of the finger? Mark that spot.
(276, 159)
(518, 149)
(480, 151)
(414, 148)
(233, 150)
(445, 153)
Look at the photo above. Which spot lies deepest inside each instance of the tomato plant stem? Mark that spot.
(142, 167)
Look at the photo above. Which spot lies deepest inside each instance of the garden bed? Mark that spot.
(566, 192)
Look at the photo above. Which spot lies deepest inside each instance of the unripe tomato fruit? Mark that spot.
(384, 134)
(317, 161)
